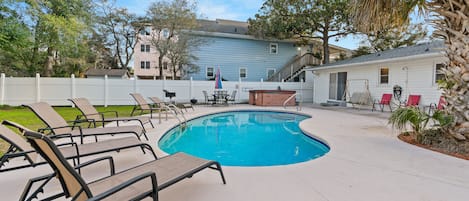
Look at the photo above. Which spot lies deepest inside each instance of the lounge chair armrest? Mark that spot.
(78, 120)
(40, 189)
(16, 154)
(67, 143)
(93, 161)
(51, 129)
(18, 126)
(115, 113)
(64, 135)
(128, 183)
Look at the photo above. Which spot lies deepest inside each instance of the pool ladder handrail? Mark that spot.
(175, 110)
(298, 106)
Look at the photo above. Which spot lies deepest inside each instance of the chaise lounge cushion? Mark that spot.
(169, 170)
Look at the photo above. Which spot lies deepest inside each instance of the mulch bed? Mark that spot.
(409, 139)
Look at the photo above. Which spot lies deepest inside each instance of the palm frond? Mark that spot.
(375, 15)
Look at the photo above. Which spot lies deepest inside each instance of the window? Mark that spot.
(270, 72)
(384, 75)
(145, 48)
(145, 31)
(145, 65)
(165, 33)
(165, 65)
(243, 72)
(439, 75)
(273, 48)
(209, 72)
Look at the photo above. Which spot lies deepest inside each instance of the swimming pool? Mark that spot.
(245, 138)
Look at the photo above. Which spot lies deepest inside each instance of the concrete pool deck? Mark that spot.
(366, 162)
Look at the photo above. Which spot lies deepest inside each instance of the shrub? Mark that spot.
(417, 119)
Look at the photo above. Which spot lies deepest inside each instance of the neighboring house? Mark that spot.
(146, 58)
(111, 73)
(414, 68)
(228, 47)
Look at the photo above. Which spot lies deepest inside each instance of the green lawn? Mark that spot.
(27, 118)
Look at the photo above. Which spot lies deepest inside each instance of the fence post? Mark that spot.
(191, 88)
(239, 89)
(105, 90)
(72, 88)
(301, 89)
(2, 89)
(164, 87)
(38, 87)
(135, 84)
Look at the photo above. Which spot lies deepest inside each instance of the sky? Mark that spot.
(239, 10)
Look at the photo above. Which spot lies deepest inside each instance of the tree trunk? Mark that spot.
(325, 47)
(160, 66)
(454, 27)
(325, 42)
(49, 64)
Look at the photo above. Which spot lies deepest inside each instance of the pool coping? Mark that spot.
(304, 132)
(366, 162)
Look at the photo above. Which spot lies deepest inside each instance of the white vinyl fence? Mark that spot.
(104, 91)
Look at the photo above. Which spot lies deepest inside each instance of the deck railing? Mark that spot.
(294, 66)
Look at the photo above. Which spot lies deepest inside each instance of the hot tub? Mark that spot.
(271, 97)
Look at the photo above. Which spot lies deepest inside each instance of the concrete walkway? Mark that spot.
(366, 162)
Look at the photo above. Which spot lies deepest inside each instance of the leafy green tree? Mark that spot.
(362, 50)
(168, 19)
(49, 37)
(180, 54)
(14, 39)
(304, 20)
(395, 37)
(59, 28)
(451, 19)
(101, 55)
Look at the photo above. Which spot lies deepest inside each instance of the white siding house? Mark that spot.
(413, 68)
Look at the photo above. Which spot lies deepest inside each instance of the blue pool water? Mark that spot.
(245, 138)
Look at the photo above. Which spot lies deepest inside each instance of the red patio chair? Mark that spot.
(441, 105)
(385, 100)
(413, 101)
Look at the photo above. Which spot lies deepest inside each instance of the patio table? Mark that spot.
(220, 97)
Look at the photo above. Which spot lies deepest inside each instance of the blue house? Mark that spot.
(238, 55)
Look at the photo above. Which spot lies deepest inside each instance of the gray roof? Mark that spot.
(108, 72)
(223, 26)
(419, 49)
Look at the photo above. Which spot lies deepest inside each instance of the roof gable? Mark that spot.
(419, 49)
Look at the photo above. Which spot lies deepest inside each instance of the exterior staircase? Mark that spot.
(294, 68)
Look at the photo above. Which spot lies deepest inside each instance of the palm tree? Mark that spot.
(451, 20)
